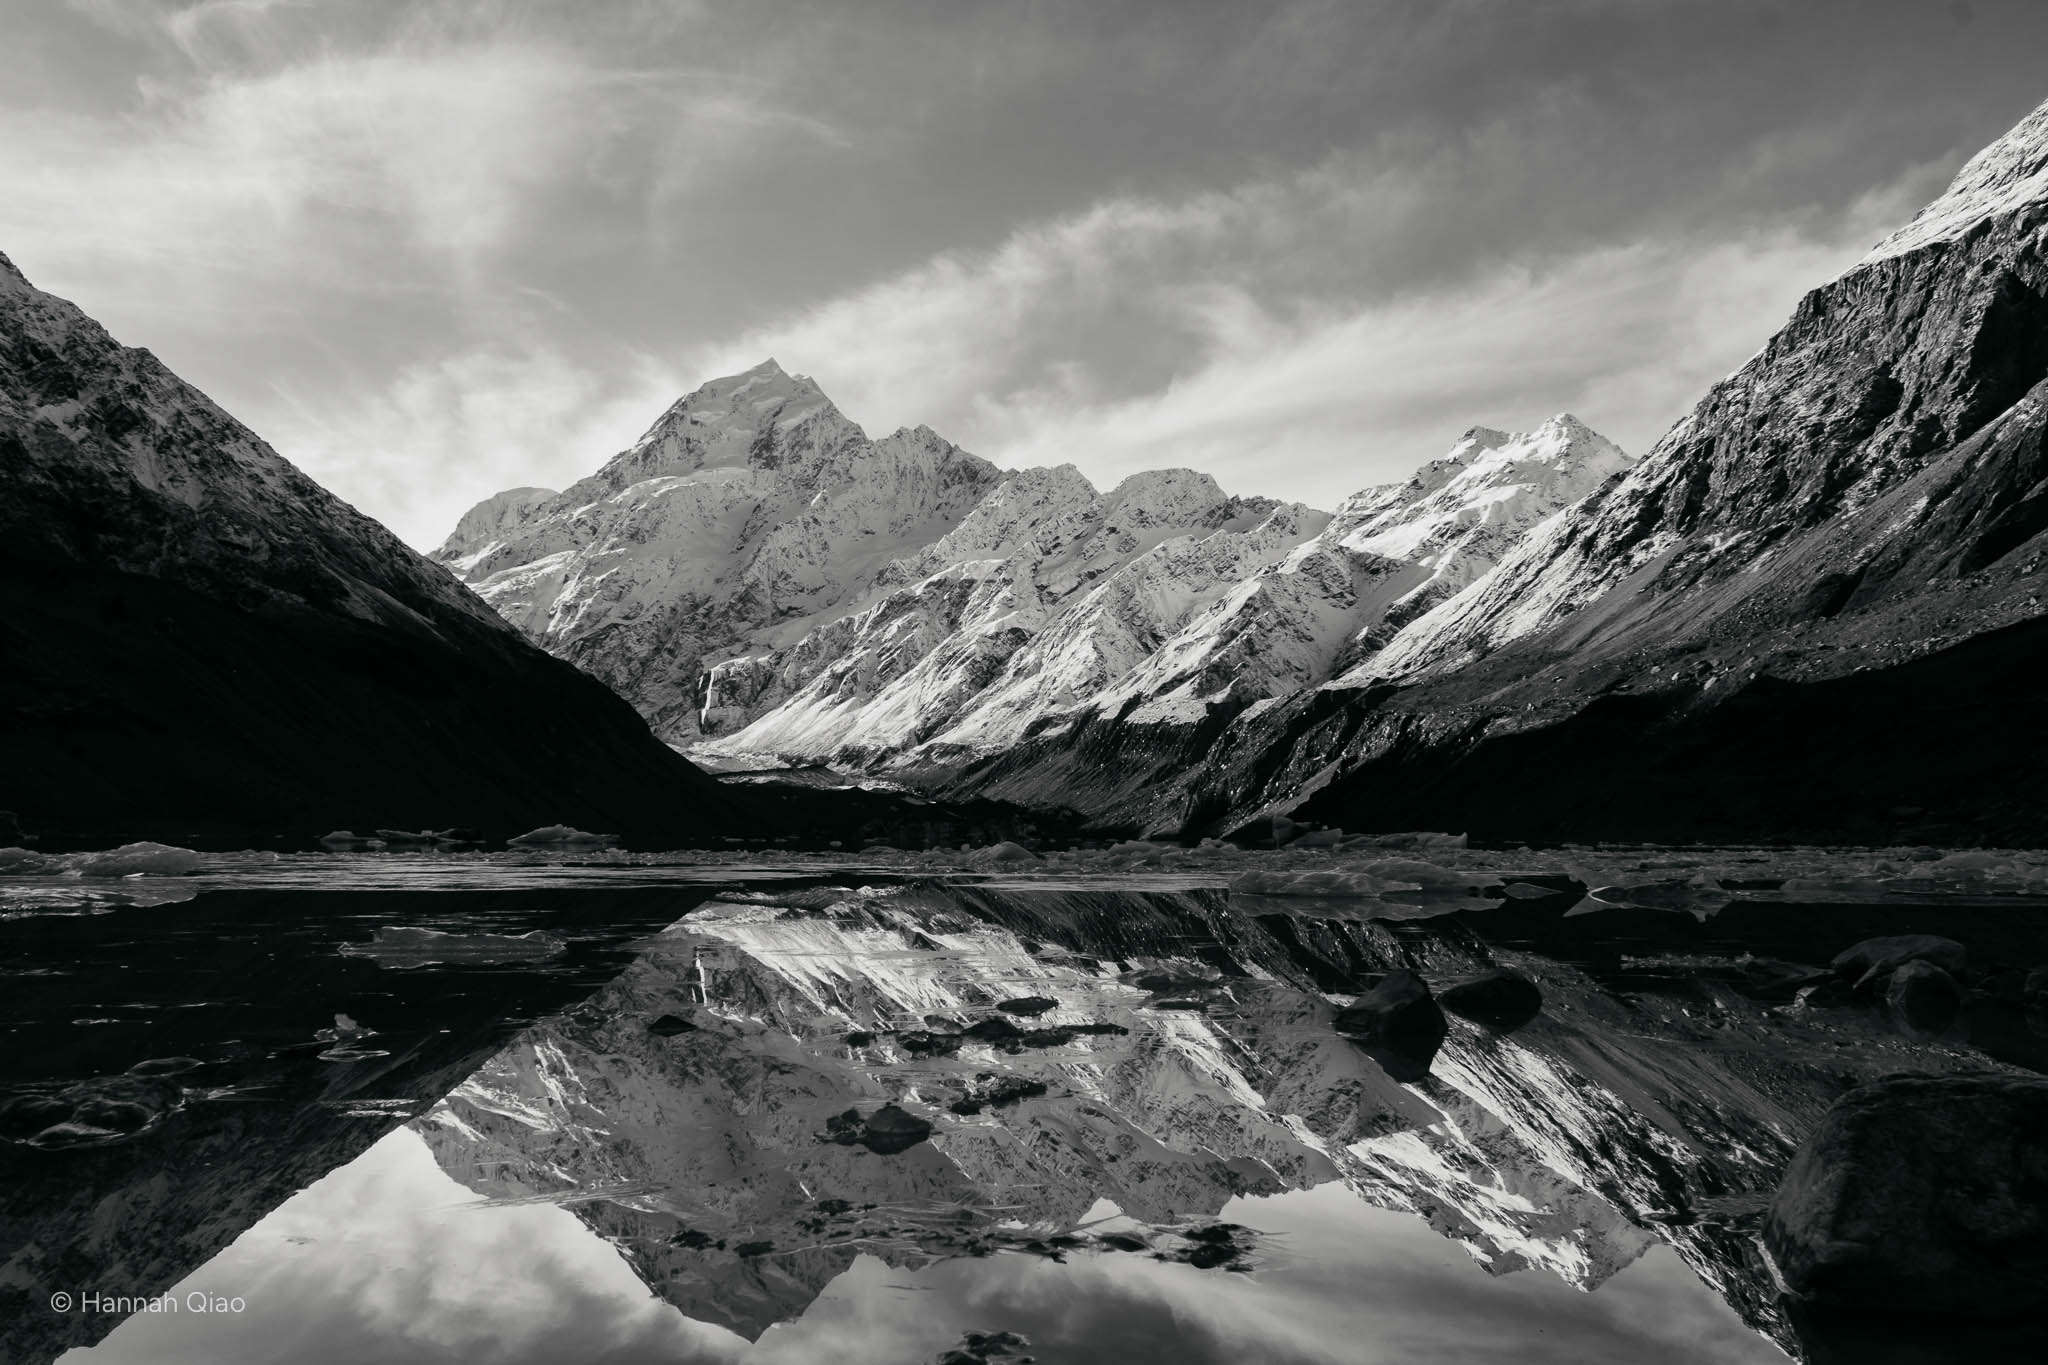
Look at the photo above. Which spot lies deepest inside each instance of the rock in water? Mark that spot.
(1923, 999)
(1921, 1197)
(1874, 959)
(886, 1132)
(1398, 1024)
(201, 638)
(1500, 999)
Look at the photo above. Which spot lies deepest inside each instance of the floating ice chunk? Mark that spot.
(1414, 839)
(1974, 865)
(17, 859)
(559, 835)
(347, 1036)
(1285, 883)
(161, 860)
(1004, 853)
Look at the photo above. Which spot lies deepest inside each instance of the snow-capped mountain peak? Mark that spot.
(759, 418)
(1048, 600)
(760, 577)
(751, 510)
(2009, 174)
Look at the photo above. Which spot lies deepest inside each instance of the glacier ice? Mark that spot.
(137, 859)
(560, 835)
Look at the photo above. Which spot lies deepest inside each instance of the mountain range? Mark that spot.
(762, 579)
(1811, 609)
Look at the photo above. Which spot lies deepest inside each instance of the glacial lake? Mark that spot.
(417, 1108)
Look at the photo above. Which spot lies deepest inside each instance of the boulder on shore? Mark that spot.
(1923, 999)
(1920, 1197)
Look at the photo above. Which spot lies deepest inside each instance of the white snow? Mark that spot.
(760, 578)
(2008, 175)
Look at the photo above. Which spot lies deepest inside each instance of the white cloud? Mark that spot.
(279, 170)
(449, 432)
(389, 1259)
(252, 157)
(1268, 384)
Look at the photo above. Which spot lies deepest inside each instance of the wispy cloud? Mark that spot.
(329, 162)
(1277, 385)
(423, 447)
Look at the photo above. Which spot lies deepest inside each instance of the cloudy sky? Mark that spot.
(433, 249)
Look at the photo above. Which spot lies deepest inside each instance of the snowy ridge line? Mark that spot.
(760, 578)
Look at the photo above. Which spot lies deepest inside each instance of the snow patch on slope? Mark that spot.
(2009, 174)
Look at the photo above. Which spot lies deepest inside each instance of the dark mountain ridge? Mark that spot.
(203, 644)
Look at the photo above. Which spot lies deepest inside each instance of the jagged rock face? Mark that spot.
(492, 520)
(1161, 600)
(202, 640)
(1388, 555)
(1820, 479)
(755, 575)
(1813, 606)
(1045, 593)
(750, 510)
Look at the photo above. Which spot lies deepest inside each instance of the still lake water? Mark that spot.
(420, 1109)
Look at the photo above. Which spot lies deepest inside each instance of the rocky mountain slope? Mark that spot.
(1813, 608)
(762, 580)
(750, 510)
(201, 642)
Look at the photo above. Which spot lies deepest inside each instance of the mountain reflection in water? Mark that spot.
(867, 1121)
